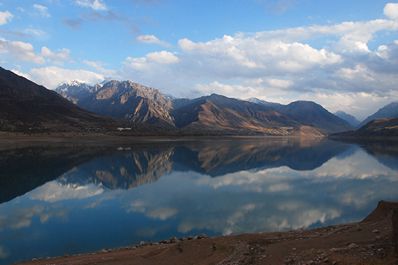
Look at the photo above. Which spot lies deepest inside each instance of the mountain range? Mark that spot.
(138, 109)
(213, 114)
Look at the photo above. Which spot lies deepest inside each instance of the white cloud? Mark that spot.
(5, 17)
(281, 65)
(162, 57)
(162, 213)
(249, 53)
(35, 32)
(100, 68)
(20, 50)
(151, 60)
(59, 56)
(391, 11)
(52, 76)
(93, 4)
(42, 10)
(151, 39)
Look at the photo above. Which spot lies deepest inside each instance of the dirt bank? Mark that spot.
(371, 241)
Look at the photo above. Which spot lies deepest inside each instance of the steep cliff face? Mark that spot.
(122, 99)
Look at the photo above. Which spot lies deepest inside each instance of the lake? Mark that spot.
(72, 198)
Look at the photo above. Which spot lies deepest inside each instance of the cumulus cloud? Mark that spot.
(41, 10)
(100, 68)
(5, 17)
(151, 39)
(52, 76)
(24, 51)
(93, 4)
(61, 55)
(317, 62)
(391, 11)
(151, 60)
(20, 50)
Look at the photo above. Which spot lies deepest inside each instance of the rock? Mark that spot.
(352, 246)
(375, 231)
(202, 236)
(142, 243)
(173, 240)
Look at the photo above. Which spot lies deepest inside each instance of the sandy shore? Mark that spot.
(371, 241)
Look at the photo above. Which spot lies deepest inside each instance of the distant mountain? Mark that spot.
(354, 122)
(26, 106)
(379, 127)
(388, 111)
(312, 114)
(216, 113)
(309, 113)
(122, 99)
(387, 127)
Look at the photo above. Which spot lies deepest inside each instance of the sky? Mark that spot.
(341, 54)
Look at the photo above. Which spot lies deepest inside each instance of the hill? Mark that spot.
(26, 106)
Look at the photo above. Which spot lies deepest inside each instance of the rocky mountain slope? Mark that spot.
(122, 100)
(26, 106)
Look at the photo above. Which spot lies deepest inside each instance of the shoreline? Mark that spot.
(373, 240)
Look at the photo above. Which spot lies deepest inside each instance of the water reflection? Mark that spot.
(100, 197)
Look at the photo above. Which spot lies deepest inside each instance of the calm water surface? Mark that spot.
(58, 200)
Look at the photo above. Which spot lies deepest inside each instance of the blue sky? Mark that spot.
(342, 54)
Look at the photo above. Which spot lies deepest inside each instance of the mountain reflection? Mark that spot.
(22, 170)
(225, 186)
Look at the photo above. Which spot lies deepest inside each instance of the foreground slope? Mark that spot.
(26, 106)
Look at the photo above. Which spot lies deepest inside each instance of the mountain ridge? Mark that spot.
(213, 113)
(388, 111)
